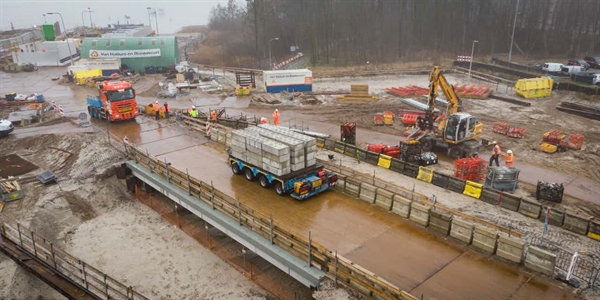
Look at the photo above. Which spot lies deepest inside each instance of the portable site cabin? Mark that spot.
(288, 80)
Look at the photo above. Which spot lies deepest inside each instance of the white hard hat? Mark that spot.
(276, 109)
(156, 101)
(193, 106)
(494, 142)
(509, 152)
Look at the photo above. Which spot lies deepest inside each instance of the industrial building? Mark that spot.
(136, 53)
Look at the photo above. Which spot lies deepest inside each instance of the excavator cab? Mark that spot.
(461, 127)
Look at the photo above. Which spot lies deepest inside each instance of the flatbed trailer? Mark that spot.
(301, 184)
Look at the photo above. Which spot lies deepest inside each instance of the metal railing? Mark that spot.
(335, 266)
(75, 270)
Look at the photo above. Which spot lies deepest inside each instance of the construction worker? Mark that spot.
(166, 109)
(510, 159)
(213, 116)
(264, 120)
(193, 112)
(276, 117)
(495, 154)
(156, 108)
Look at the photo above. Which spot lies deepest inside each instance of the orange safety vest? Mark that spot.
(156, 107)
(213, 115)
(496, 150)
(165, 108)
(510, 160)
(276, 117)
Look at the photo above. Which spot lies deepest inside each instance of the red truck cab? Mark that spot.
(116, 101)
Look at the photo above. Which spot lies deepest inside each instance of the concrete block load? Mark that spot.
(310, 143)
(296, 146)
(271, 155)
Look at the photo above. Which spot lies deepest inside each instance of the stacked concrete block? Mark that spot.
(268, 154)
(297, 161)
(310, 143)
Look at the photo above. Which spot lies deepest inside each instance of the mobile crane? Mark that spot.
(454, 131)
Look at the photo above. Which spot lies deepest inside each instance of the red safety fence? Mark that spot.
(470, 168)
(393, 151)
(516, 132)
(407, 91)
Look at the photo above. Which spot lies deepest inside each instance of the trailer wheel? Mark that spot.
(235, 168)
(264, 182)
(279, 189)
(249, 174)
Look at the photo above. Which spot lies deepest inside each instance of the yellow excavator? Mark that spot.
(456, 132)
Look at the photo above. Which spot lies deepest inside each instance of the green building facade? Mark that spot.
(136, 53)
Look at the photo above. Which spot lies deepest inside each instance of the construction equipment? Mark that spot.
(348, 133)
(553, 141)
(116, 102)
(454, 131)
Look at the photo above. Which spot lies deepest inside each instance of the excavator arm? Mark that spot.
(438, 81)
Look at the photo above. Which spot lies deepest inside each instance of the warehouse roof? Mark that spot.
(117, 43)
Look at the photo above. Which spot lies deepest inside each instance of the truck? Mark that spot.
(115, 102)
(301, 184)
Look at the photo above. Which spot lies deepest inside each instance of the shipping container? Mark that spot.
(288, 80)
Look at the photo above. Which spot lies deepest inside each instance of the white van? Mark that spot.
(552, 67)
(572, 69)
(596, 79)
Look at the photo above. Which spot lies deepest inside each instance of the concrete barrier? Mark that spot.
(530, 209)
(485, 239)
(540, 260)
(419, 213)
(339, 147)
(594, 231)
(350, 150)
(352, 187)
(490, 196)
(462, 230)
(511, 248)
(361, 154)
(440, 180)
(557, 216)
(510, 202)
(372, 158)
(384, 199)
(367, 192)
(401, 206)
(397, 165)
(456, 184)
(440, 221)
(410, 170)
(575, 223)
(329, 144)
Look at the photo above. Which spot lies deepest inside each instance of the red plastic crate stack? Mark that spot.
(575, 141)
(393, 151)
(500, 127)
(470, 168)
(407, 91)
(516, 132)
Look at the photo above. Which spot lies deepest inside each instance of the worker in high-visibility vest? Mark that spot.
(276, 117)
(193, 112)
(213, 116)
(166, 109)
(156, 108)
(495, 154)
(510, 158)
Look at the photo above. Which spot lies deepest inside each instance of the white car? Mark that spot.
(6, 127)
(596, 79)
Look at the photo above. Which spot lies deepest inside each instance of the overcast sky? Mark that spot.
(177, 13)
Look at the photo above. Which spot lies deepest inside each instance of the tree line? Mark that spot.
(346, 32)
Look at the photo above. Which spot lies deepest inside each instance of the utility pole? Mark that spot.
(271, 64)
(82, 19)
(471, 62)
(66, 36)
(149, 19)
(91, 22)
(512, 36)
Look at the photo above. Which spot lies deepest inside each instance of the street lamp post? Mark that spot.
(512, 36)
(82, 19)
(156, 19)
(45, 21)
(471, 62)
(90, 12)
(149, 20)
(66, 36)
(270, 63)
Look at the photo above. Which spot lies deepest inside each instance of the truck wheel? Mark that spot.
(279, 189)
(249, 174)
(455, 152)
(264, 182)
(235, 168)
(426, 145)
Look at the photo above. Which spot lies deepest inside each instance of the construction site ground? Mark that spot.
(85, 226)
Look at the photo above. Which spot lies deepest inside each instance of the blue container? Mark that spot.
(39, 98)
